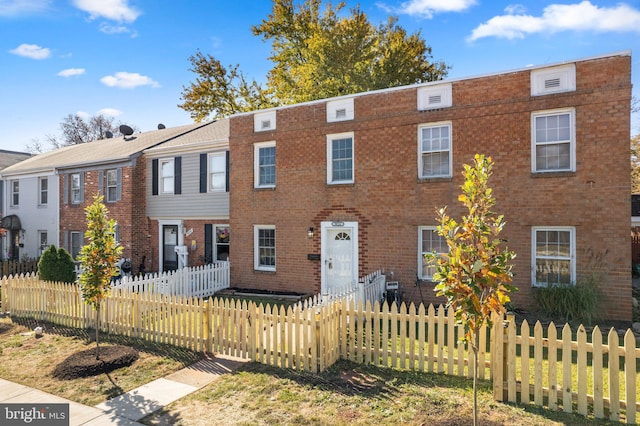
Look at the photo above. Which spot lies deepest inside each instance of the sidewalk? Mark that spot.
(128, 408)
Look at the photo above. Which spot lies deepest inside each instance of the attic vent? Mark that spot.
(435, 99)
(546, 81)
(264, 121)
(340, 110)
(341, 113)
(552, 83)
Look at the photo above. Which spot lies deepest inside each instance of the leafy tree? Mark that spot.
(56, 265)
(221, 92)
(98, 258)
(76, 130)
(475, 275)
(635, 164)
(316, 54)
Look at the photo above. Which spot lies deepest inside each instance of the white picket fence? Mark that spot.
(369, 288)
(199, 281)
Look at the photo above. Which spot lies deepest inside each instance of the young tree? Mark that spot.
(475, 274)
(76, 130)
(98, 258)
(316, 54)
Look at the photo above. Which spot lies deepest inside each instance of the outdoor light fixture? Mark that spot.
(310, 233)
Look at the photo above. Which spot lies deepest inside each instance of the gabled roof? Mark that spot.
(104, 151)
(215, 133)
(9, 158)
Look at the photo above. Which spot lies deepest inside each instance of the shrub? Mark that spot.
(577, 303)
(56, 265)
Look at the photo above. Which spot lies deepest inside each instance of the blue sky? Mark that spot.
(129, 58)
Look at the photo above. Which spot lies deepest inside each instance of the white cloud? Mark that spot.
(32, 51)
(70, 72)
(128, 80)
(427, 8)
(114, 10)
(83, 114)
(114, 29)
(582, 16)
(22, 7)
(111, 112)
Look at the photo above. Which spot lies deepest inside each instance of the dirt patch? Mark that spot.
(85, 364)
(5, 327)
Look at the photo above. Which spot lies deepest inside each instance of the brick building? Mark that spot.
(326, 191)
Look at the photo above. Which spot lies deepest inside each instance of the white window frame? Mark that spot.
(256, 164)
(15, 193)
(169, 177)
(571, 141)
(222, 172)
(258, 265)
(421, 152)
(43, 191)
(421, 258)
(75, 190)
(330, 139)
(112, 185)
(571, 258)
(79, 236)
(217, 244)
(42, 246)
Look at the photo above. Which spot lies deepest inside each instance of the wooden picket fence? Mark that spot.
(17, 267)
(580, 373)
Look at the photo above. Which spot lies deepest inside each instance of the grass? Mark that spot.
(348, 394)
(29, 360)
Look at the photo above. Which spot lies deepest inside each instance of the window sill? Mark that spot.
(542, 175)
(435, 179)
(264, 188)
(264, 271)
(340, 184)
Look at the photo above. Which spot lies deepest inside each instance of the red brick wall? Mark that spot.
(129, 212)
(490, 115)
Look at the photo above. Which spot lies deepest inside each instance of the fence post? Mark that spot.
(207, 326)
(319, 344)
(499, 355)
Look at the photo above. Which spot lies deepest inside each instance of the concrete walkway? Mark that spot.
(128, 408)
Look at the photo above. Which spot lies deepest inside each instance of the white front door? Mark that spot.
(339, 255)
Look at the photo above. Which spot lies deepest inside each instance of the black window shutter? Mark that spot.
(119, 185)
(65, 184)
(226, 175)
(203, 173)
(154, 177)
(208, 242)
(177, 175)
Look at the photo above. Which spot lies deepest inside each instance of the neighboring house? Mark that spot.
(11, 231)
(113, 168)
(187, 198)
(326, 191)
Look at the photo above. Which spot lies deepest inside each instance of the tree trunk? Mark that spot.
(97, 332)
(475, 345)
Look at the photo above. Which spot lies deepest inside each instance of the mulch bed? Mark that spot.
(84, 364)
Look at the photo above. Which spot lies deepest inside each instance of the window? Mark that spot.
(429, 241)
(553, 147)
(222, 242)
(43, 241)
(43, 184)
(116, 233)
(167, 169)
(217, 172)
(112, 185)
(434, 159)
(340, 158)
(76, 244)
(15, 192)
(553, 255)
(265, 165)
(265, 247)
(76, 188)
